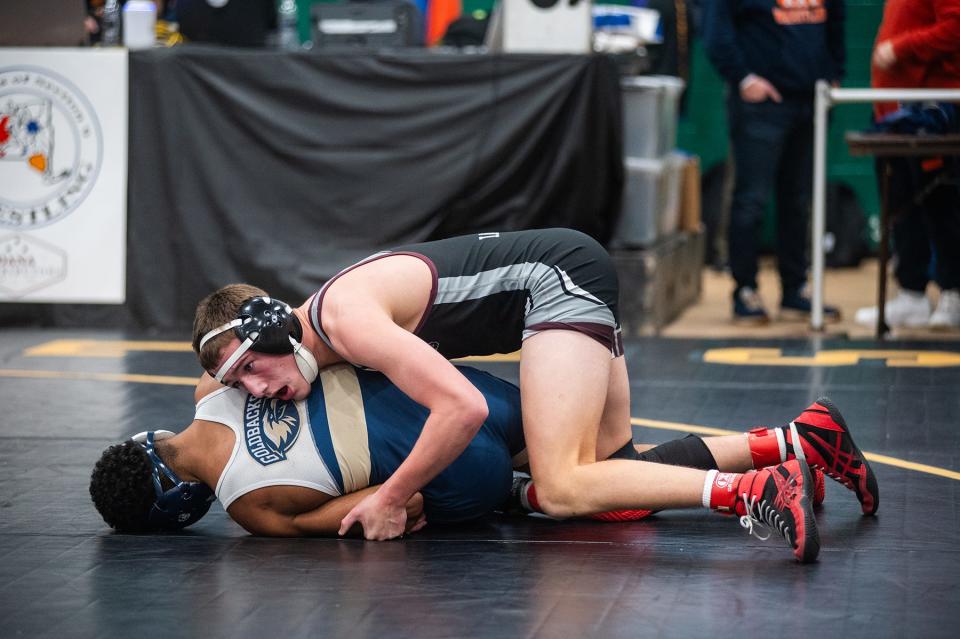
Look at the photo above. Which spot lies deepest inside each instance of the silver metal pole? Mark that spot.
(821, 104)
(893, 95)
(825, 98)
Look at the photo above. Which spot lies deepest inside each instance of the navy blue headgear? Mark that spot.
(181, 505)
(266, 325)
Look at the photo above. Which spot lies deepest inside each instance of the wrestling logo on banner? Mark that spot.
(51, 147)
(28, 264)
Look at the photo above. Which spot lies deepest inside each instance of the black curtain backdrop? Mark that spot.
(280, 168)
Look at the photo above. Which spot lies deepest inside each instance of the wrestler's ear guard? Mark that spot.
(271, 323)
(266, 325)
(180, 506)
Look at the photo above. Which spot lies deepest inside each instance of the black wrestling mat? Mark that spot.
(66, 395)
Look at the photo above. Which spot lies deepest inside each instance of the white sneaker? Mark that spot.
(908, 308)
(947, 314)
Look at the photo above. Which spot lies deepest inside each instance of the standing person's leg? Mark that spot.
(911, 242)
(911, 247)
(942, 217)
(943, 223)
(756, 134)
(794, 188)
(564, 379)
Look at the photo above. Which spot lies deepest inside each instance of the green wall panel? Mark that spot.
(703, 129)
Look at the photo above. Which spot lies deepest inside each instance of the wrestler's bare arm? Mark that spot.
(457, 410)
(258, 516)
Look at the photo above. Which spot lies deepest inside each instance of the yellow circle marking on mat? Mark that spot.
(775, 357)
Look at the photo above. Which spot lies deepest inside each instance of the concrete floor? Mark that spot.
(847, 289)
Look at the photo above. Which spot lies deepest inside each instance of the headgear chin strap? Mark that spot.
(181, 505)
(266, 325)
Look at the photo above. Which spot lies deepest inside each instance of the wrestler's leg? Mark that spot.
(564, 385)
(731, 452)
(615, 429)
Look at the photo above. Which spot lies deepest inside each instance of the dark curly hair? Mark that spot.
(122, 489)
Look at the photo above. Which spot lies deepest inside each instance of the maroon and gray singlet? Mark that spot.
(492, 290)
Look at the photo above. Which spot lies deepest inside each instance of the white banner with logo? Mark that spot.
(63, 175)
(547, 26)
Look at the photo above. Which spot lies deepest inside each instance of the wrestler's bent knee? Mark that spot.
(558, 499)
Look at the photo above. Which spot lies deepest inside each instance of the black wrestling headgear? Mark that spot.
(271, 323)
(266, 325)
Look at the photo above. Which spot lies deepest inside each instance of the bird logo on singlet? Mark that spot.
(270, 428)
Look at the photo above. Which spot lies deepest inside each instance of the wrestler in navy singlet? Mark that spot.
(473, 485)
(354, 431)
(492, 290)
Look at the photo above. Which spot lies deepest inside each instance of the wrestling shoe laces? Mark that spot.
(748, 521)
(780, 498)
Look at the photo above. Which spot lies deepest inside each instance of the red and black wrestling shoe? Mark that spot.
(819, 487)
(778, 498)
(826, 444)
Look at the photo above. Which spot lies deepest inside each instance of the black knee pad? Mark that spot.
(689, 451)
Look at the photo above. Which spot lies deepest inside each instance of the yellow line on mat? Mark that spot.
(102, 377)
(102, 348)
(119, 348)
(684, 428)
(909, 465)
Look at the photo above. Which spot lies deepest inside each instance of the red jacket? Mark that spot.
(926, 41)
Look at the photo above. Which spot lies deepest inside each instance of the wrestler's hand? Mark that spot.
(415, 517)
(380, 519)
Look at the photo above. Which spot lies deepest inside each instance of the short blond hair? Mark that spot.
(217, 309)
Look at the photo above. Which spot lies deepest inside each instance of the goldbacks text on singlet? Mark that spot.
(354, 431)
(492, 290)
